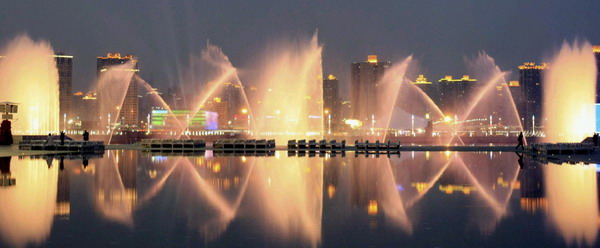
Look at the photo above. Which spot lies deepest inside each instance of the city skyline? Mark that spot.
(439, 41)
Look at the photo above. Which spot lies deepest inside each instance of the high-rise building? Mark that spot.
(365, 78)
(231, 97)
(424, 85)
(455, 94)
(130, 109)
(84, 111)
(530, 80)
(517, 94)
(427, 87)
(596, 50)
(64, 64)
(331, 101)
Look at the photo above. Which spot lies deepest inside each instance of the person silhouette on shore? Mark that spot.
(86, 135)
(520, 140)
(50, 140)
(595, 139)
(62, 138)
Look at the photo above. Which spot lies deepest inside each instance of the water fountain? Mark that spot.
(393, 84)
(289, 102)
(213, 75)
(488, 101)
(112, 88)
(569, 93)
(28, 76)
(491, 101)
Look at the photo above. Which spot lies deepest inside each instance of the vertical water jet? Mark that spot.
(569, 94)
(28, 76)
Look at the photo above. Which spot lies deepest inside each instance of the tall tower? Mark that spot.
(231, 97)
(130, 109)
(64, 64)
(331, 101)
(530, 80)
(365, 78)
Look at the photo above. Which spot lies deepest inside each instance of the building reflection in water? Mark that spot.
(63, 195)
(533, 198)
(27, 209)
(115, 185)
(375, 189)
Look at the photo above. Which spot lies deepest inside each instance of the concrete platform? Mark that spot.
(352, 148)
(13, 150)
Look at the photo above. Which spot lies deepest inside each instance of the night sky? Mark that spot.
(163, 34)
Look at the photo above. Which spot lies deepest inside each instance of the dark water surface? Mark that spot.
(420, 199)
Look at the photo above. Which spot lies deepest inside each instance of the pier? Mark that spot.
(69, 145)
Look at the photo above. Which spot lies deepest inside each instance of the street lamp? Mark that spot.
(329, 124)
(412, 130)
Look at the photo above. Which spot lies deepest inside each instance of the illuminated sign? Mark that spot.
(162, 119)
(354, 124)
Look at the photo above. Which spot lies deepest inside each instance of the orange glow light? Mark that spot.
(372, 209)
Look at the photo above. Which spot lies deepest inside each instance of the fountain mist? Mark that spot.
(569, 94)
(112, 87)
(490, 100)
(389, 89)
(28, 76)
(290, 104)
(213, 72)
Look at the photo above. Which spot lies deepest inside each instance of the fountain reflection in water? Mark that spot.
(297, 200)
(572, 194)
(115, 186)
(569, 89)
(27, 209)
(28, 76)
(288, 194)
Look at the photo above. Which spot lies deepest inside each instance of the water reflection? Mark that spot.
(572, 201)
(115, 186)
(289, 200)
(27, 208)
